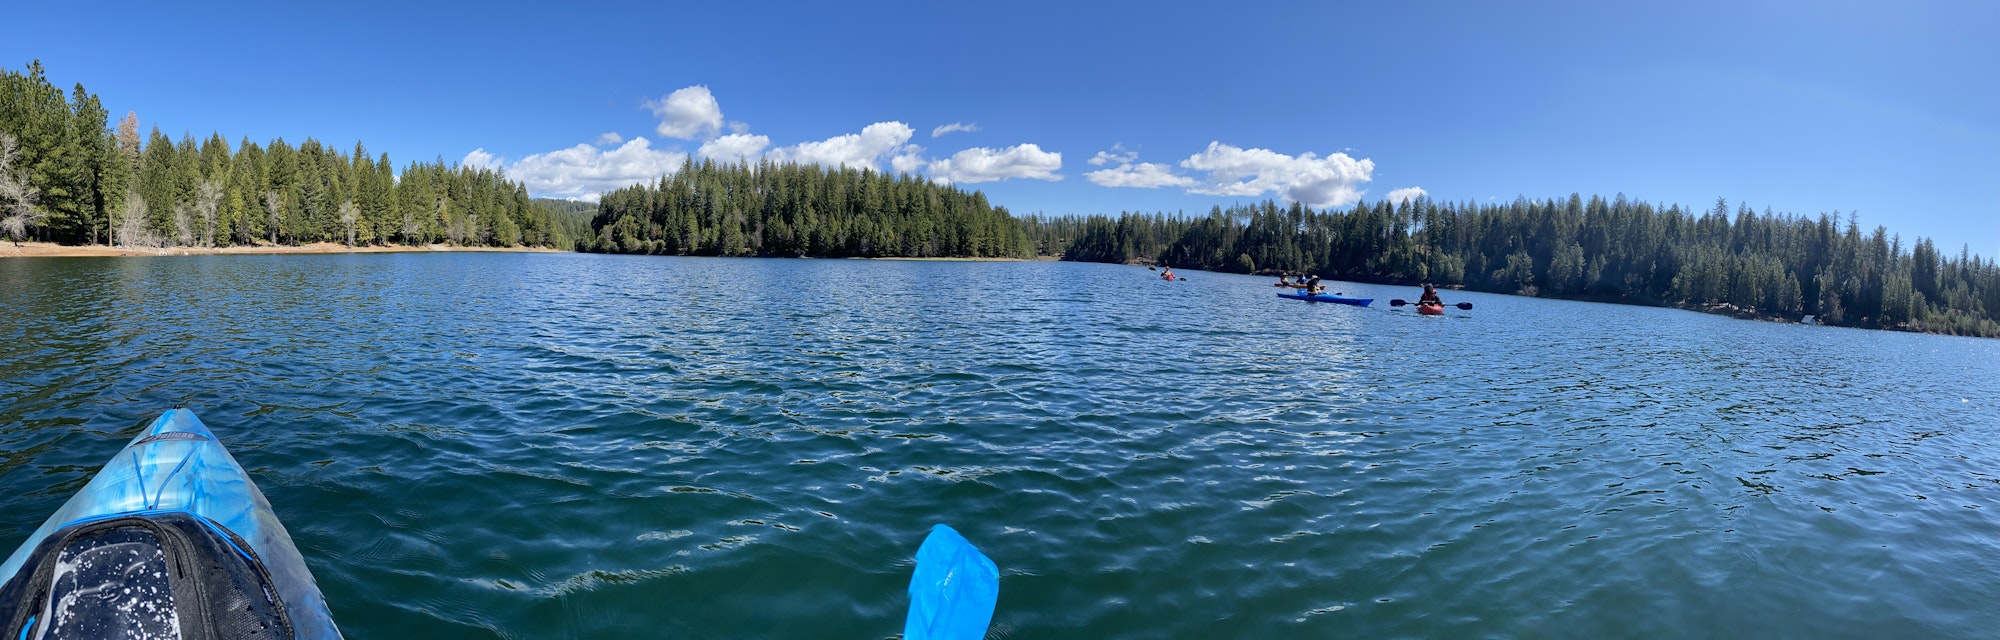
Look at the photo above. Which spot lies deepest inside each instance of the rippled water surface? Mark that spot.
(546, 446)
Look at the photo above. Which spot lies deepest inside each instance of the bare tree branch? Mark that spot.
(183, 225)
(207, 199)
(132, 230)
(272, 208)
(349, 214)
(17, 197)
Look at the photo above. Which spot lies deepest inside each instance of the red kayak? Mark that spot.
(1430, 309)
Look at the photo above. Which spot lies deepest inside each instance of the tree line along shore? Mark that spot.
(70, 177)
(1735, 261)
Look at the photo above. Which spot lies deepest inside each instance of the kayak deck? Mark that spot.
(175, 498)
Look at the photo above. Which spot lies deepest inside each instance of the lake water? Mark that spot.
(554, 445)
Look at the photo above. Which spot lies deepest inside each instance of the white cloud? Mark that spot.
(688, 114)
(861, 151)
(480, 158)
(980, 164)
(954, 128)
(1145, 175)
(1406, 193)
(584, 172)
(1122, 156)
(735, 147)
(1321, 182)
(909, 161)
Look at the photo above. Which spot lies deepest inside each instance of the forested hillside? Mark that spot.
(1616, 250)
(793, 210)
(67, 176)
(571, 220)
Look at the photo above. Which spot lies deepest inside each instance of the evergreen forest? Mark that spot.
(68, 176)
(792, 210)
(1735, 261)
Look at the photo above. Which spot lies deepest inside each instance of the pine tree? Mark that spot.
(156, 181)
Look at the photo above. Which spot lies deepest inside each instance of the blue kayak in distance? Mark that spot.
(1326, 297)
(170, 539)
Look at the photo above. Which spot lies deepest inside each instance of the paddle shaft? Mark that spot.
(1400, 302)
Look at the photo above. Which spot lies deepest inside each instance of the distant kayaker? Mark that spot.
(1166, 272)
(1430, 296)
(1312, 286)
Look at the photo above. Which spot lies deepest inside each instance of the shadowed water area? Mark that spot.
(549, 446)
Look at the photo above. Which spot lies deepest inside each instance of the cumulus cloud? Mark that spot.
(1117, 155)
(735, 147)
(1144, 175)
(980, 164)
(586, 171)
(1331, 181)
(1399, 196)
(481, 159)
(954, 128)
(583, 172)
(909, 161)
(859, 150)
(689, 113)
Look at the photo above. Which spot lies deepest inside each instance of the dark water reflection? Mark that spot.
(533, 446)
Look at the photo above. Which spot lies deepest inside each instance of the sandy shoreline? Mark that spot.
(53, 250)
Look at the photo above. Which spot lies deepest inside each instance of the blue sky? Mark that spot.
(1889, 109)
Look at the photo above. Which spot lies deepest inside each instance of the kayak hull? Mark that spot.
(1322, 297)
(1431, 309)
(176, 476)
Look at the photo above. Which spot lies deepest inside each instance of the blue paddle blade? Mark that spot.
(953, 590)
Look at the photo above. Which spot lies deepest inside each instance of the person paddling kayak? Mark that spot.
(1166, 273)
(1312, 286)
(1429, 304)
